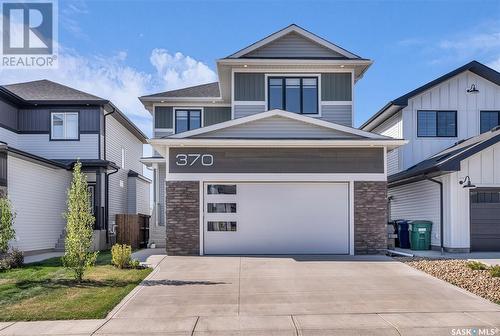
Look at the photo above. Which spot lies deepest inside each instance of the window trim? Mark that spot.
(283, 83)
(488, 111)
(51, 138)
(437, 133)
(186, 108)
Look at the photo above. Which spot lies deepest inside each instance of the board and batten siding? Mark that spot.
(38, 120)
(292, 45)
(249, 86)
(276, 127)
(118, 137)
(38, 195)
(336, 86)
(392, 127)
(449, 95)
(417, 201)
(39, 144)
(164, 117)
(215, 114)
(8, 115)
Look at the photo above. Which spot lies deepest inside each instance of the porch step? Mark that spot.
(60, 242)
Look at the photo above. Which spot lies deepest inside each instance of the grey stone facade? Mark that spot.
(370, 217)
(183, 217)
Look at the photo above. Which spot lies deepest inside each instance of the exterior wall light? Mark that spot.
(472, 89)
(466, 183)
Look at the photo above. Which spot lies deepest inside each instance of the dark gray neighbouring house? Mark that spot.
(266, 161)
(44, 128)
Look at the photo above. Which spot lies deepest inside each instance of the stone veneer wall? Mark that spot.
(370, 217)
(183, 217)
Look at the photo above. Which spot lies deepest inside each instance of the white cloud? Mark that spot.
(495, 64)
(111, 78)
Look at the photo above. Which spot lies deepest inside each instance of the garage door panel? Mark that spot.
(485, 219)
(285, 218)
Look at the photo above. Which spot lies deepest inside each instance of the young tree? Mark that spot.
(78, 256)
(7, 216)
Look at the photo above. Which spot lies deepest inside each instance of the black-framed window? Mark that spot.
(187, 120)
(488, 120)
(64, 126)
(293, 94)
(437, 123)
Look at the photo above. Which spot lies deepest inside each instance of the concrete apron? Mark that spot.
(284, 296)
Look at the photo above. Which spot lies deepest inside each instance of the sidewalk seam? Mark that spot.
(477, 318)
(8, 325)
(195, 324)
(295, 325)
(99, 327)
(390, 323)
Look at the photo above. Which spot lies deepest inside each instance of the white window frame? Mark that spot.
(65, 130)
(122, 162)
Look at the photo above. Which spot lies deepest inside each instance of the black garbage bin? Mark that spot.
(403, 233)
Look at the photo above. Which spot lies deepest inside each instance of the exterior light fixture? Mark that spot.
(342, 66)
(162, 101)
(472, 89)
(466, 183)
(245, 66)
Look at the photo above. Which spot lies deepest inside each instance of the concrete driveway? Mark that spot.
(297, 296)
(285, 296)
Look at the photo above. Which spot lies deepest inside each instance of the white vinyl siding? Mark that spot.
(392, 127)
(38, 194)
(39, 144)
(417, 201)
(143, 197)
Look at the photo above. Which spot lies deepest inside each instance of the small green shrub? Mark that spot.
(495, 271)
(121, 255)
(13, 259)
(7, 217)
(135, 264)
(476, 266)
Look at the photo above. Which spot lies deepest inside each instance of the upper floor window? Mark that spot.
(293, 94)
(186, 120)
(489, 119)
(64, 126)
(437, 123)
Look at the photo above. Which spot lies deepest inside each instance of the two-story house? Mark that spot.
(266, 161)
(449, 172)
(44, 128)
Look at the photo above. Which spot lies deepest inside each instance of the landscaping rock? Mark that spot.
(456, 272)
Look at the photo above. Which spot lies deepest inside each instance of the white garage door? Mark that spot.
(276, 218)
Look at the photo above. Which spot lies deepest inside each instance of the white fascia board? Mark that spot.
(284, 114)
(181, 99)
(277, 61)
(300, 31)
(171, 142)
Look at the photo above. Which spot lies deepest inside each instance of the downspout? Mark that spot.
(441, 224)
(106, 179)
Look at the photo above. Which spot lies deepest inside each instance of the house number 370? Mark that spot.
(190, 159)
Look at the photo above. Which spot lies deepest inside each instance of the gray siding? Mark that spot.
(8, 115)
(339, 114)
(246, 110)
(215, 115)
(142, 195)
(292, 45)
(277, 127)
(39, 144)
(38, 194)
(8, 137)
(283, 160)
(336, 86)
(131, 195)
(164, 117)
(38, 120)
(249, 86)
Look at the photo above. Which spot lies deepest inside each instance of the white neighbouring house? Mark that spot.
(451, 124)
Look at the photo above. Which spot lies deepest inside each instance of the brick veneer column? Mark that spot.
(370, 217)
(183, 217)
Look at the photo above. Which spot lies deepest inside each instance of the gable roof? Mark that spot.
(397, 104)
(449, 159)
(198, 91)
(283, 114)
(45, 91)
(336, 51)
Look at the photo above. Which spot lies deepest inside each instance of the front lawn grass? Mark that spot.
(46, 290)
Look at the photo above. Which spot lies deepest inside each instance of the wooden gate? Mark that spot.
(132, 230)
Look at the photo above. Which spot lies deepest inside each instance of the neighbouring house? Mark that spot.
(449, 172)
(44, 128)
(266, 160)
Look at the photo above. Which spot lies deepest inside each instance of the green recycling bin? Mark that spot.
(420, 234)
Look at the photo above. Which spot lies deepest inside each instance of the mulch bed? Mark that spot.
(457, 273)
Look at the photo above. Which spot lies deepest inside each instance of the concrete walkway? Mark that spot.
(284, 296)
(489, 258)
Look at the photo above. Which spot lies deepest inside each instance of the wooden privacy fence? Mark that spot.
(132, 230)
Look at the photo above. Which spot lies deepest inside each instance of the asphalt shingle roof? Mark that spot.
(203, 90)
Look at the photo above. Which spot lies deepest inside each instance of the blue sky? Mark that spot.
(122, 49)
